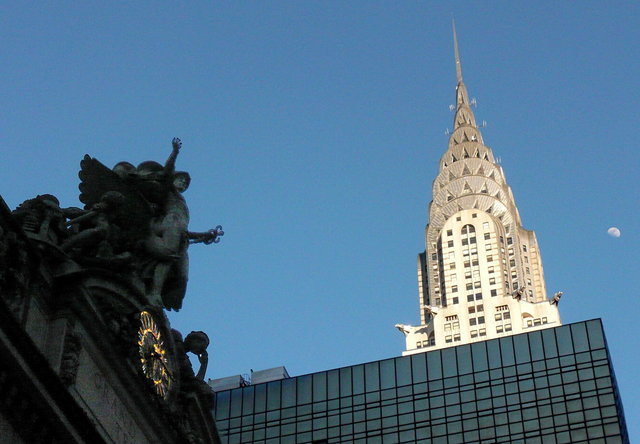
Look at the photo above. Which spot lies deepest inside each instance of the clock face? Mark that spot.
(153, 355)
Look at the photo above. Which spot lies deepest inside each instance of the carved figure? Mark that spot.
(405, 329)
(141, 210)
(97, 228)
(517, 295)
(43, 219)
(432, 310)
(556, 298)
(197, 342)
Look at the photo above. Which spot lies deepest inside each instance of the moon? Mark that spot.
(614, 232)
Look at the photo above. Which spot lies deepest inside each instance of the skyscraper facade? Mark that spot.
(480, 275)
(551, 386)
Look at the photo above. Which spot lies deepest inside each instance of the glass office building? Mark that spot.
(553, 386)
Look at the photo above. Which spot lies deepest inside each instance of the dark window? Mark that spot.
(468, 229)
(487, 235)
(450, 243)
(494, 292)
(449, 232)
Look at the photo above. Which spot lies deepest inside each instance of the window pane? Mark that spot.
(596, 339)
(236, 403)
(565, 344)
(521, 345)
(506, 348)
(535, 344)
(403, 370)
(419, 368)
(273, 395)
(493, 349)
(304, 389)
(449, 362)
(333, 384)
(222, 405)
(247, 400)
(261, 397)
(372, 377)
(464, 359)
(358, 379)
(479, 353)
(434, 366)
(319, 386)
(549, 341)
(580, 341)
(289, 392)
(387, 374)
(345, 381)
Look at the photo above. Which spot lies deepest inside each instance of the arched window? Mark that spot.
(468, 229)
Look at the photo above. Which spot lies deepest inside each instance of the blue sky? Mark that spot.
(312, 132)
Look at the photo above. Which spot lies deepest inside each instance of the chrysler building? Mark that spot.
(480, 276)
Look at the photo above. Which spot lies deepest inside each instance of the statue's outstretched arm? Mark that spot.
(208, 237)
(170, 165)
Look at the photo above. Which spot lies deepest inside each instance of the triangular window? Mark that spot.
(453, 158)
(465, 171)
(484, 189)
(485, 157)
(475, 205)
(464, 153)
(449, 197)
(451, 176)
(467, 188)
(477, 154)
(480, 171)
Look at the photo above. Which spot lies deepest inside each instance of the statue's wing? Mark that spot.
(95, 180)
(133, 214)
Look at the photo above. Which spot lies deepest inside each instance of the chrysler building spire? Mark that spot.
(456, 53)
(481, 275)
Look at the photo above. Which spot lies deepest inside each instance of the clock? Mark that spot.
(153, 355)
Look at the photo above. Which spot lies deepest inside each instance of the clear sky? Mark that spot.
(312, 132)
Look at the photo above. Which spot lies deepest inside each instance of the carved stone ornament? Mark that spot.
(70, 358)
(134, 222)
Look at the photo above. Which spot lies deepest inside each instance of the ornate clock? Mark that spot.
(153, 355)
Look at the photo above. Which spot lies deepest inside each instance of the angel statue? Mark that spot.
(151, 220)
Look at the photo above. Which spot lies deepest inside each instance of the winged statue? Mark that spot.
(137, 216)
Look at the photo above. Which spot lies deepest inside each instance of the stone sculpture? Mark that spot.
(135, 220)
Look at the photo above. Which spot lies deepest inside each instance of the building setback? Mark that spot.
(554, 386)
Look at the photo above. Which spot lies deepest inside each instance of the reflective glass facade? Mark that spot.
(553, 386)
